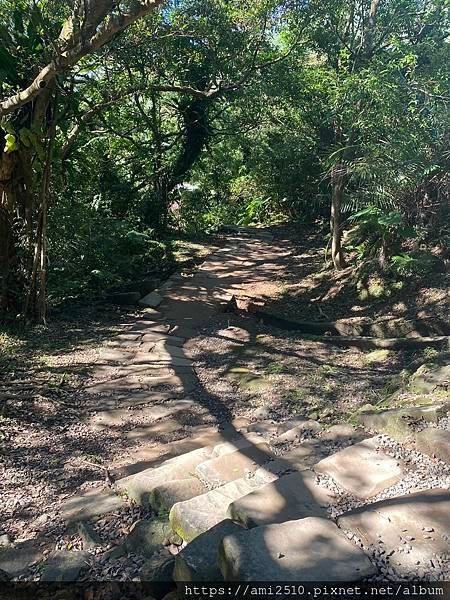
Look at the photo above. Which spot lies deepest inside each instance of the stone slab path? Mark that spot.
(241, 500)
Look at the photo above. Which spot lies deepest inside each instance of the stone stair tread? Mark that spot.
(221, 469)
(139, 486)
(165, 495)
(63, 565)
(127, 401)
(310, 549)
(15, 559)
(198, 561)
(292, 496)
(193, 517)
(148, 325)
(421, 519)
(361, 470)
(343, 432)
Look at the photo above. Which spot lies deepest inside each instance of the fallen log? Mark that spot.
(371, 343)
(349, 335)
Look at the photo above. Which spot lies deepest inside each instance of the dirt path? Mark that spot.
(66, 428)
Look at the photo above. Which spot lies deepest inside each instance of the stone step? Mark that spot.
(165, 495)
(298, 458)
(16, 559)
(238, 442)
(292, 496)
(191, 518)
(140, 486)
(287, 431)
(134, 400)
(146, 457)
(233, 464)
(434, 442)
(361, 469)
(310, 549)
(413, 530)
(198, 561)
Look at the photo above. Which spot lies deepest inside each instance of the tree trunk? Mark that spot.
(195, 136)
(23, 215)
(337, 190)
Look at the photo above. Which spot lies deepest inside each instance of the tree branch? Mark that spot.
(101, 23)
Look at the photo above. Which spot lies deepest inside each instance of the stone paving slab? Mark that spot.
(151, 300)
(310, 549)
(222, 469)
(119, 416)
(434, 442)
(361, 469)
(153, 336)
(131, 383)
(241, 442)
(198, 561)
(293, 496)
(412, 529)
(63, 565)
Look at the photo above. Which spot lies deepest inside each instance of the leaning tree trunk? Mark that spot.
(337, 190)
(16, 209)
(195, 137)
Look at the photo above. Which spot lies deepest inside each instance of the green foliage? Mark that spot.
(378, 230)
(210, 113)
(416, 263)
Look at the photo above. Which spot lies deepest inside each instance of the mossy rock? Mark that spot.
(428, 377)
(381, 355)
(247, 379)
(399, 422)
(147, 535)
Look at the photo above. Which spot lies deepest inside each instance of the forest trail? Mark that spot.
(153, 361)
(246, 418)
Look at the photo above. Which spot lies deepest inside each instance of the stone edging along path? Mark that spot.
(264, 500)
